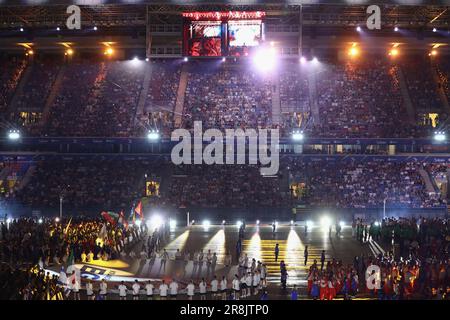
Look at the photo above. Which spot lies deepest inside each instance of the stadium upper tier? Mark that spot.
(370, 97)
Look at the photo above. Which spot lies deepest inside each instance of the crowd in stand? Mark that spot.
(218, 186)
(97, 182)
(36, 90)
(230, 98)
(358, 98)
(96, 99)
(11, 70)
(364, 184)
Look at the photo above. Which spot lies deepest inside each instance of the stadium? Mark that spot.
(224, 150)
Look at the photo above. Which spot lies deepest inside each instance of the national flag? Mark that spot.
(110, 216)
(122, 220)
(67, 228)
(138, 210)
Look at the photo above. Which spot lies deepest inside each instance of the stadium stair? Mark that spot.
(144, 92)
(52, 96)
(276, 100)
(429, 186)
(179, 104)
(19, 90)
(405, 94)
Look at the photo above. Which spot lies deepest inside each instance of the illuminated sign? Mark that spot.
(218, 15)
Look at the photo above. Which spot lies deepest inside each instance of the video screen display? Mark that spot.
(205, 39)
(245, 33)
(206, 29)
(205, 47)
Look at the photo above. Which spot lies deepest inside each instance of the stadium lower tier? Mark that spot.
(86, 184)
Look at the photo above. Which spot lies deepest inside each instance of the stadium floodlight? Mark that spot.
(95, 28)
(153, 135)
(14, 135)
(156, 221)
(393, 52)
(257, 222)
(172, 223)
(265, 59)
(433, 53)
(21, 29)
(358, 28)
(185, 59)
(434, 30)
(440, 136)
(58, 29)
(396, 29)
(353, 51)
(298, 135)
(325, 221)
(206, 224)
(69, 52)
(109, 51)
(40, 221)
(239, 223)
(223, 222)
(147, 59)
(57, 219)
(309, 224)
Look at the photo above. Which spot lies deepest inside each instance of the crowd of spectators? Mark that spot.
(352, 184)
(422, 86)
(97, 99)
(97, 183)
(227, 98)
(237, 186)
(11, 71)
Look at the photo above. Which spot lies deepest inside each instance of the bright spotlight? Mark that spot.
(276, 223)
(21, 29)
(14, 135)
(302, 60)
(433, 53)
(147, 59)
(257, 222)
(396, 29)
(223, 222)
(56, 219)
(342, 224)
(153, 135)
(138, 223)
(135, 59)
(353, 52)
(156, 221)
(309, 224)
(393, 52)
(30, 52)
(109, 51)
(434, 30)
(265, 59)
(315, 60)
(292, 222)
(69, 52)
(377, 224)
(206, 223)
(8, 220)
(95, 28)
(439, 136)
(58, 28)
(224, 59)
(239, 223)
(40, 220)
(172, 223)
(325, 221)
(298, 135)
(358, 28)
(185, 59)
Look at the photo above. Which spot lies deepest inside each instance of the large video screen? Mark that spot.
(246, 33)
(205, 39)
